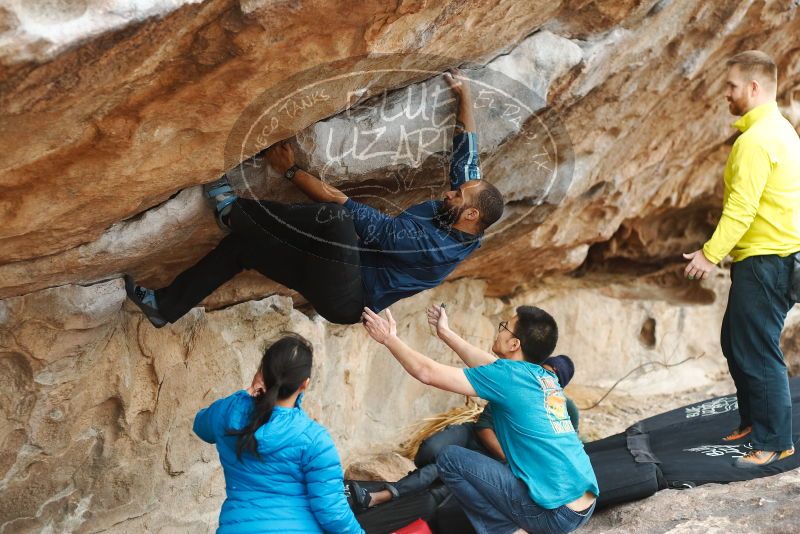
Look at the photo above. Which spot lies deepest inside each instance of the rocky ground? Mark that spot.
(620, 410)
(767, 505)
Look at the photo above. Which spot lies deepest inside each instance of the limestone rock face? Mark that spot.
(603, 123)
(118, 124)
(390, 467)
(97, 406)
(761, 505)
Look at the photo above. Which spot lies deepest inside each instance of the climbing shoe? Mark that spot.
(357, 497)
(756, 458)
(739, 433)
(146, 300)
(222, 196)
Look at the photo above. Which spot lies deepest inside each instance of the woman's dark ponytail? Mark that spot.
(285, 366)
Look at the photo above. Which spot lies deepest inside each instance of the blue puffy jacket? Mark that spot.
(297, 486)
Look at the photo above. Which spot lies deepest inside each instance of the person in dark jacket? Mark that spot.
(339, 254)
(282, 471)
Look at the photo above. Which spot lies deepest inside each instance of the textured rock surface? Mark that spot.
(384, 466)
(96, 411)
(112, 114)
(767, 505)
(145, 111)
(141, 113)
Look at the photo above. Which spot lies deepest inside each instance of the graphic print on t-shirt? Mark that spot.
(555, 405)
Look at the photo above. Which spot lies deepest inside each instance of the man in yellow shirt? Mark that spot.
(760, 229)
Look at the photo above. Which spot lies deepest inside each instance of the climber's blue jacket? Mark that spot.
(406, 254)
(297, 486)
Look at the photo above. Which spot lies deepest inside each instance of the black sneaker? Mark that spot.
(146, 300)
(357, 497)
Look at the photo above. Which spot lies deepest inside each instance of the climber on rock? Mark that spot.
(339, 254)
(548, 484)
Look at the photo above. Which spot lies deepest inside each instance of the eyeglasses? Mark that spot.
(504, 326)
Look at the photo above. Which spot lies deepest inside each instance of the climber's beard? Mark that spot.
(448, 215)
(736, 107)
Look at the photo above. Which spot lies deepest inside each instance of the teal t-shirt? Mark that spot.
(487, 421)
(534, 430)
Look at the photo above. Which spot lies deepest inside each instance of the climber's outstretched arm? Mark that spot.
(424, 369)
(280, 157)
(316, 189)
(465, 162)
(459, 84)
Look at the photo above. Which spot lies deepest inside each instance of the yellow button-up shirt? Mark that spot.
(761, 205)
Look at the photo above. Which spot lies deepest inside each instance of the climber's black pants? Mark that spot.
(758, 303)
(311, 248)
(426, 474)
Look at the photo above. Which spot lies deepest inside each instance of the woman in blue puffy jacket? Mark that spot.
(282, 471)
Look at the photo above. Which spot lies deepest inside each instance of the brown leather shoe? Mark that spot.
(739, 433)
(756, 458)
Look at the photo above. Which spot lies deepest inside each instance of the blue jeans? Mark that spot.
(420, 479)
(497, 502)
(751, 330)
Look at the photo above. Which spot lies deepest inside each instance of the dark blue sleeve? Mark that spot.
(465, 164)
(381, 231)
(369, 222)
(325, 484)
